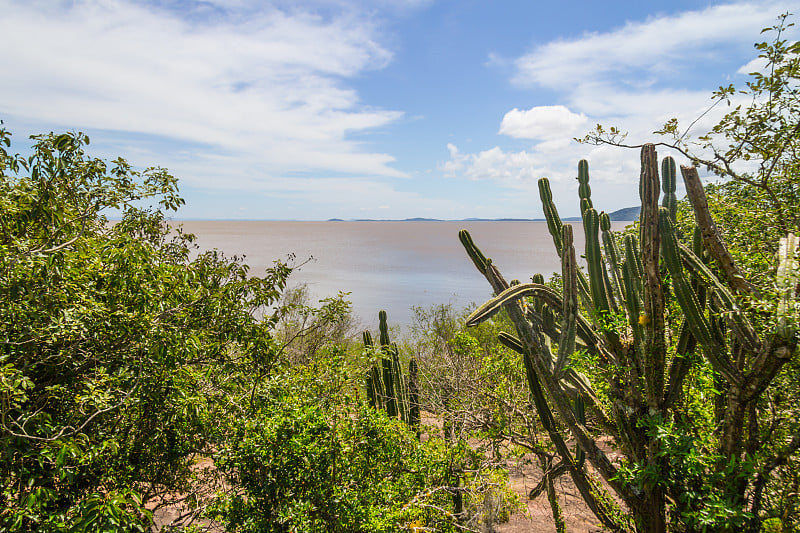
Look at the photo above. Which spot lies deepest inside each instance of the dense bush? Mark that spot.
(314, 457)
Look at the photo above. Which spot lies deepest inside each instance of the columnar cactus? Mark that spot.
(386, 386)
(625, 323)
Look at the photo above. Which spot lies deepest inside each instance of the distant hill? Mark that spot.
(625, 214)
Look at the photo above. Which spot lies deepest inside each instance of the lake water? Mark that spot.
(389, 265)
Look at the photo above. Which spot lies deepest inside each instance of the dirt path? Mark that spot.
(577, 516)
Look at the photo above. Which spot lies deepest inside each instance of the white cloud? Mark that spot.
(639, 51)
(264, 86)
(512, 169)
(635, 77)
(542, 122)
(755, 65)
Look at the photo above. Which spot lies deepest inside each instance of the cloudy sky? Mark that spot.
(314, 109)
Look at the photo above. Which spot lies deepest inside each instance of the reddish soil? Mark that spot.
(539, 519)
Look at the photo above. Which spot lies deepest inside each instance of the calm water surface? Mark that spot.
(389, 265)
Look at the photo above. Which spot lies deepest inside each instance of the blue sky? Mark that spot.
(315, 109)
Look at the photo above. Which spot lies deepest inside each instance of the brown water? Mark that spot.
(389, 265)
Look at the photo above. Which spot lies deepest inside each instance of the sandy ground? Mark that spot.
(577, 516)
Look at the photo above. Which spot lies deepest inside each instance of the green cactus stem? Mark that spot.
(569, 309)
(687, 299)
(613, 257)
(413, 394)
(554, 227)
(550, 213)
(584, 190)
(598, 276)
(670, 201)
(733, 314)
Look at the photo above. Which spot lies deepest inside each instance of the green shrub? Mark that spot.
(314, 457)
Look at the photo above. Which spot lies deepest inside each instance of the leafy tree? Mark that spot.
(120, 344)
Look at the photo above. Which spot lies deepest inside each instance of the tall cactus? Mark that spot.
(386, 386)
(645, 350)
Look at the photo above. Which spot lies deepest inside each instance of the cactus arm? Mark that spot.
(711, 236)
(371, 390)
(687, 300)
(668, 181)
(538, 279)
(612, 256)
(375, 390)
(545, 415)
(398, 385)
(388, 383)
(483, 263)
(580, 413)
(569, 309)
(594, 260)
(413, 395)
(554, 227)
(517, 292)
(551, 214)
(734, 316)
(380, 390)
(383, 328)
(654, 328)
(680, 366)
(632, 281)
(584, 190)
(539, 307)
(478, 259)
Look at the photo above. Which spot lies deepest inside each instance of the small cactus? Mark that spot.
(386, 386)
